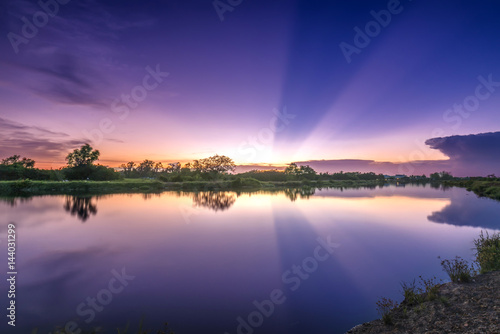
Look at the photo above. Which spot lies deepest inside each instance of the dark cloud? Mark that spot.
(71, 60)
(34, 141)
(61, 77)
(21, 129)
(475, 154)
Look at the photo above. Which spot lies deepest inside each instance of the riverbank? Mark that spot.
(458, 308)
(483, 188)
(33, 188)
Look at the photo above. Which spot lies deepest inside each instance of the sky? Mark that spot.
(263, 82)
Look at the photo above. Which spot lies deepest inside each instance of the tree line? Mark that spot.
(81, 165)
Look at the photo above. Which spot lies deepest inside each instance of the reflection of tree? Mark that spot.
(435, 185)
(148, 196)
(292, 194)
(13, 201)
(80, 206)
(214, 200)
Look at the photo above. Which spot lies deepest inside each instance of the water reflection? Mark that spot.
(13, 201)
(82, 207)
(465, 208)
(214, 200)
(469, 210)
(216, 269)
(148, 196)
(293, 194)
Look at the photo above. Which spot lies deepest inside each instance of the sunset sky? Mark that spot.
(263, 82)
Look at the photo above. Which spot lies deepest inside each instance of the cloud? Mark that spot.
(61, 77)
(478, 146)
(34, 142)
(76, 58)
(379, 167)
(474, 154)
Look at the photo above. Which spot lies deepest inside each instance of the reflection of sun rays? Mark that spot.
(296, 241)
(378, 213)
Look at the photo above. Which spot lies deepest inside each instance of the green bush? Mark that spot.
(488, 252)
(293, 183)
(91, 172)
(249, 182)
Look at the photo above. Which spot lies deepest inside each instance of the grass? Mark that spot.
(25, 188)
(488, 252)
(410, 293)
(482, 187)
(489, 189)
(29, 188)
(384, 308)
(416, 294)
(459, 270)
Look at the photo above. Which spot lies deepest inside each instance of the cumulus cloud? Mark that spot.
(475, 154)
(480, 146)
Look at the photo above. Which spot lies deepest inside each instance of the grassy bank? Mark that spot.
(481, 187)
(32, 188)
(429, 306)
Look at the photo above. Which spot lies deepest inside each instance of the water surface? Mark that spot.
(208, 262)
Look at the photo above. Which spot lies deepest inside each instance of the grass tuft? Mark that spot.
(459, 270)
(488, 252)
(384, 307)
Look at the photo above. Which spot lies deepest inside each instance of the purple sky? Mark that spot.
(270, 83)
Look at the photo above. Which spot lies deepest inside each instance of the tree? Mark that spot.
(307, 171)
(16, 160)
(85, 156)
(441, 176)
(158, 166)
(293, 169)
(128, 167)
(214, 164)
(145, 167)
(174, 167)
(446, 175)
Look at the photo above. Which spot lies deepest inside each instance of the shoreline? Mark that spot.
(458, 308)
(482, 188)
(26, 188)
